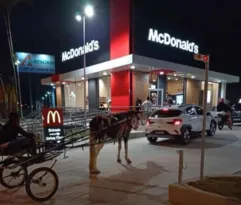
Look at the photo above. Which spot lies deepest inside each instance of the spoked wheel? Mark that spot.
(13, 178)
(42, 184)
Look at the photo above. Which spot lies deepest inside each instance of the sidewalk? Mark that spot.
(144, 182)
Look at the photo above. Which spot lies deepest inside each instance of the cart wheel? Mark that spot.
(13, 178)
(42, 184)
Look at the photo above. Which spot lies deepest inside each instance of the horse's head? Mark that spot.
(134, 119)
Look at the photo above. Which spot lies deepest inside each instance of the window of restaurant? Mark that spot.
(104, 92)
(74, 94)
(212, 93)
(175, 89)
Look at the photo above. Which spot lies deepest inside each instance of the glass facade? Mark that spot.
(158, 87)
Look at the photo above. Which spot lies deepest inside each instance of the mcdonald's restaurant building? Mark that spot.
(131, 53)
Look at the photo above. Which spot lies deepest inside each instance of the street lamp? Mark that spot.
(46, 98)
(49, 95)
(88, 12)
(17, 62)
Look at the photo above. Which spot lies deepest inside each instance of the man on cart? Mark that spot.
(10, 142)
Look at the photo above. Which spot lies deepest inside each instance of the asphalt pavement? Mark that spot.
(145, 181)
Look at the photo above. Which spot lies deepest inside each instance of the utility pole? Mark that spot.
(205, 59)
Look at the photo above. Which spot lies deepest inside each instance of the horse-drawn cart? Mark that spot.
(102, 129)
(14, 168)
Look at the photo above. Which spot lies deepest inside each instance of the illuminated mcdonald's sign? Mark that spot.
(55, 117)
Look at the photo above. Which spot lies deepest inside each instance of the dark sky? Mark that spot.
(46, 26)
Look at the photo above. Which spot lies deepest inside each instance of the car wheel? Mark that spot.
(230, 126)
(152, 139)
(186, 137)
(220, 125)
(212, 130)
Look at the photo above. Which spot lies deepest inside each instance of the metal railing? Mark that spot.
(74, 118)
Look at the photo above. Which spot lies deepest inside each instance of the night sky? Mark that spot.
(48, 26)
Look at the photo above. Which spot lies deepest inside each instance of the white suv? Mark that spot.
(181, 123)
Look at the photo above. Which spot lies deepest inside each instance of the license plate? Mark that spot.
(159, 132)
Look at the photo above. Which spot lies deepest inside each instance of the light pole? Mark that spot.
(46, 97)
(49, 93)
(42, 101)
(19, 89)
(88, 12)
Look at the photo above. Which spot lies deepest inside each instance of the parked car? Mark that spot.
(180, 122)
(236, 113)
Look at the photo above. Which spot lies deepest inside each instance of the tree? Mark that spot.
(7, 7)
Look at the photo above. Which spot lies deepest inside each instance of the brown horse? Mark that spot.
(112, 126)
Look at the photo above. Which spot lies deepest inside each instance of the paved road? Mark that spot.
(145, 181)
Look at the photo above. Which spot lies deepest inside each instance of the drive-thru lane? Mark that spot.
(146, 180)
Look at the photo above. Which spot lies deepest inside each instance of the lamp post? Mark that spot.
(46, 97)
(19, 89)
(88, 12)
(49, 93)
(42, 101)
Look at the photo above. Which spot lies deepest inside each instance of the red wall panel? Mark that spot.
(55, 78)
(120, 13)
(120, 91)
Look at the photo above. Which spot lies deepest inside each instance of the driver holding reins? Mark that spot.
(10, 143)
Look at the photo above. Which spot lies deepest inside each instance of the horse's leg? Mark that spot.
(126, 149)
(92, 154)
(98, 147)
(119, 150)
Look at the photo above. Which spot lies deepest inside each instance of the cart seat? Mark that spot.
(18, 154)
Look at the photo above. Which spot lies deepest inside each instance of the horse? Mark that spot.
(111, 126)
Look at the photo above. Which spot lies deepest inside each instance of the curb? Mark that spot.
(135, 135)
(187, 195)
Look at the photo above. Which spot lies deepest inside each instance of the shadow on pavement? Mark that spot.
(122, 187)
(220, 140)
(130, 186)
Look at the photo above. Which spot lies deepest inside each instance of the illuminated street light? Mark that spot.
(17, 62)
(89, 11)
(78, 17)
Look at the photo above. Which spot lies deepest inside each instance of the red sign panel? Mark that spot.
(52, 117)
(200, 57)
(206, 58)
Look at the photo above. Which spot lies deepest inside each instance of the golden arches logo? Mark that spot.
(54, 115)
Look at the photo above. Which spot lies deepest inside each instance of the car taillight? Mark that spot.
(176, 122)
(148, 122)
